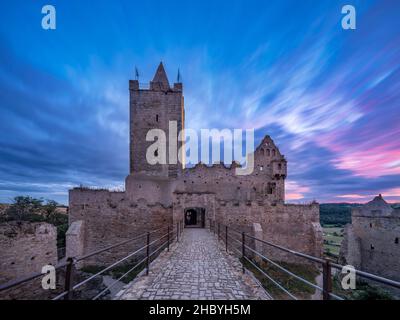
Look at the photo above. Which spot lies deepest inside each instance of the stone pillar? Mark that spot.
(75, 239)
(257, 232)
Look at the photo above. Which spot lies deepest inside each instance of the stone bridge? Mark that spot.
(196, 268)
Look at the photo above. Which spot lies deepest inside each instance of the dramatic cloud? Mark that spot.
(328, 97)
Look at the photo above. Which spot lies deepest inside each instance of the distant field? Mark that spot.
(333, 237)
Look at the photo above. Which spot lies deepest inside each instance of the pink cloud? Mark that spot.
(352, 196)
(370, 163)
(294, 196)
(390, 195)
(295, 191)
(368, 155)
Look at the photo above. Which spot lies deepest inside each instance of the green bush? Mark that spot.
(25, 208)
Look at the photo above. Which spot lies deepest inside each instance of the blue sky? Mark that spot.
(329, 97)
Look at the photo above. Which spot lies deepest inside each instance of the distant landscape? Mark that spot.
(333, 218)
(338, 214)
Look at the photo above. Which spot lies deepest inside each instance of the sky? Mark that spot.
(329, 97)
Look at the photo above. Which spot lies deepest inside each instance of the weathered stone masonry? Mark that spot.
(25, 248)
(157, 195)
(372, 240)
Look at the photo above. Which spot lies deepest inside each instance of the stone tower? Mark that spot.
(155, 108)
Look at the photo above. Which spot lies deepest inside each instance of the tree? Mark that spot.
(49, 209)
(23, 207)
(26, 208)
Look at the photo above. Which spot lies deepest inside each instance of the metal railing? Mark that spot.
(327, 265)
(172, 234)
(61, 253)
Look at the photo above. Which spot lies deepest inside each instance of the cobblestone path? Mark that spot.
(195, 268)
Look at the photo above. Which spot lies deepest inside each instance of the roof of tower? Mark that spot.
(378, 201)
(160, 76)
(377, 206)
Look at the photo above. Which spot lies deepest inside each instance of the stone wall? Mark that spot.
(24, 249)
(295, 227)
(372, 241)
(265, 184)
(110, 218)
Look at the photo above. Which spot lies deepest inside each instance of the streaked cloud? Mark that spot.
(329, 98)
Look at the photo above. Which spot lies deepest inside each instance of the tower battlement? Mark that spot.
(154, 108)
(159, 83)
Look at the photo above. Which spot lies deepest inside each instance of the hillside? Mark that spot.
(337, 214)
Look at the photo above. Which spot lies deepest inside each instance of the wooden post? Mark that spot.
(226, 238)
(69, 275)
(168, 239)
(148, 254)
(327, 279)
(243, 251)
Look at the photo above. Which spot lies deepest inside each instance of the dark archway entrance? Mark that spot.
(195, 217)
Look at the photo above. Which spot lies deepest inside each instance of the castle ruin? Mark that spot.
(161, 194)
(371, 241)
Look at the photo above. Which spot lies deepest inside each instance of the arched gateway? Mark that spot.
(195, 217)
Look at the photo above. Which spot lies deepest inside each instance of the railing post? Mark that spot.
(243, 252)
(226, 238)
(69, 274)
(168, 239)
(327, 279)
(148, 254)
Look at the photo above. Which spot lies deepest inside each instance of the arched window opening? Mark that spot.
(270, 188)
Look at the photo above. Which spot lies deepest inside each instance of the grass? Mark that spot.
(117, 271)
(363, 291)
(296, 287)
(120, 270)
(333, 237)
